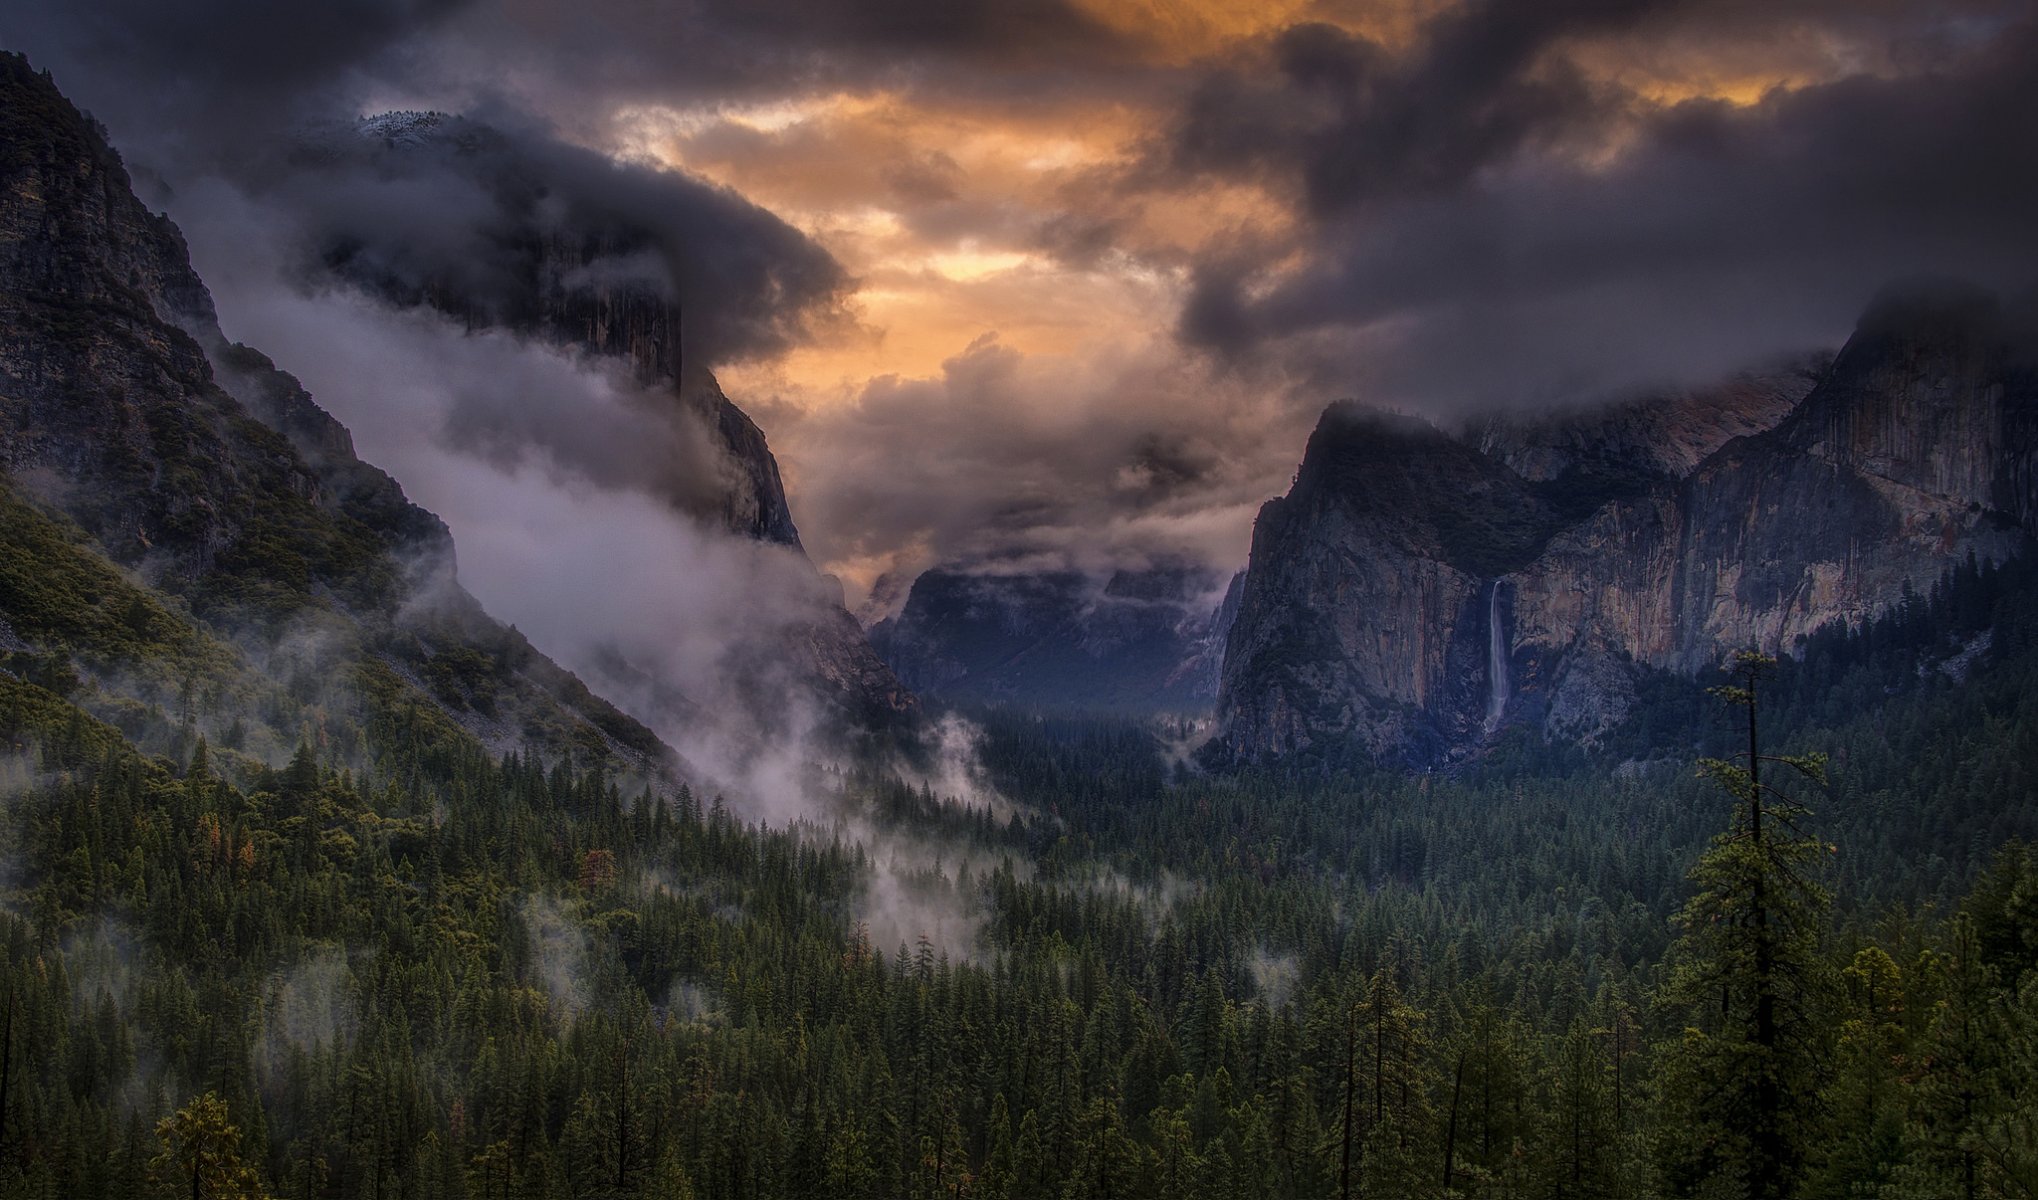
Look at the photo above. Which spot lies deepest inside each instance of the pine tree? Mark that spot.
(1000, 1163)
(1176, 1169)
(1036, 1176)
(1741, 1084)
(1973, 1126)
(1385, 1112)
(1865, 1102)
(1584, 1151)
(199, 1155)
(669, 1180)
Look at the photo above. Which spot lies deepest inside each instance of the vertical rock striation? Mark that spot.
(589, 270)
(1374, 616)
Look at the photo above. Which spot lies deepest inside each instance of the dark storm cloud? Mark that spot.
(203, 76)
(1346, 121)
(1709, 231)
(182, 66)
(513, 228)
(1355, 122)
(756, 32)
(723, 50)
(997, 28)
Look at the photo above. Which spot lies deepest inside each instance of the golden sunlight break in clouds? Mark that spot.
(1176, 31)
(950, 243)
(946, 210)
(1040, 215)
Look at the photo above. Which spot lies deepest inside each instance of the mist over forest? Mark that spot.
(1043, 599)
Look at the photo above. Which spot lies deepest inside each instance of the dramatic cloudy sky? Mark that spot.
(1069, 280)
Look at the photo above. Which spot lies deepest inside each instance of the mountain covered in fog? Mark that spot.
(1417, 593)
(556, 245)
(194, 547)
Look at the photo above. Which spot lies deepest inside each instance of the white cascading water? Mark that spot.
(1496, 661)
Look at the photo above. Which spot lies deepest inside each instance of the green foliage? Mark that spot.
(200, 1156)
(405, 967)
(464, 677)
(1748, 982)
(61, 597)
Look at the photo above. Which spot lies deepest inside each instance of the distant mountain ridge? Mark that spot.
(1137, 641)
(1416, 591)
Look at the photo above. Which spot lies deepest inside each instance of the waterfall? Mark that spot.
(1496, 662)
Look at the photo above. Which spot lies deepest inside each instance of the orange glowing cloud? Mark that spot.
(1027, 218)
(1183, 31)
(957, 213)
(941, 213)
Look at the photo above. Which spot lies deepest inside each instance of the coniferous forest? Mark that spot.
(434, 973)
(1328, 600)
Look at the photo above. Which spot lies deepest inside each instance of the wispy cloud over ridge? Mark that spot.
(1073, 277)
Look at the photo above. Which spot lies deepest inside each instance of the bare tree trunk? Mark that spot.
(1344, 1185)
(1451, 1129)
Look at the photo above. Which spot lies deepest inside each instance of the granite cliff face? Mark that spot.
(236, 507)
(1660, 437)
(1136, 641)
(1416, 592)
(589, 272)
(556, 268)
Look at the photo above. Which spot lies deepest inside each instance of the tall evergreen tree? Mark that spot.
(1747, 980)
(200, 1155)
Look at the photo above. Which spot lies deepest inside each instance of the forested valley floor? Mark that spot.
(400, 967)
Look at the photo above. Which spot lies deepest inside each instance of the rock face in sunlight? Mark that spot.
(1656, 536)
(1136, 641)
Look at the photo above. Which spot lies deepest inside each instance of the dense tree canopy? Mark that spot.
(412, 969)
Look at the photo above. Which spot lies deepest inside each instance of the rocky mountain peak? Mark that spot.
(1414, 594)
(198, 480)
(1654, 435)
(555, 245)
(1922, 397)
(570, 267)
(1421, 489)
(211, 473)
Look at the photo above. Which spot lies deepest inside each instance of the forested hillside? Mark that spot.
(187, 541)
(441, 973)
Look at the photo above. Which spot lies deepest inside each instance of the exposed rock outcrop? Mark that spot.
(229, 489)
(1663, 536)
(589, 272)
